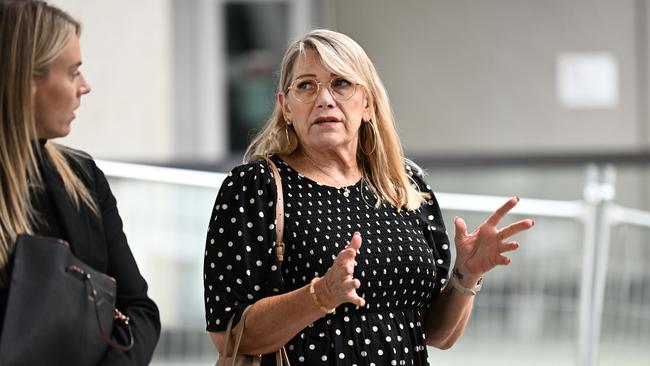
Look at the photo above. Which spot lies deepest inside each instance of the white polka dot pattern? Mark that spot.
(403, 261)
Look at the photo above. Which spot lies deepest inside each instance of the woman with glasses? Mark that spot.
(365, 278)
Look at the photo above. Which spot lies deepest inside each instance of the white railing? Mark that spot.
(596, 213)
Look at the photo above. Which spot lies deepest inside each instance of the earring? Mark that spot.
(286, 133)
(369, 124)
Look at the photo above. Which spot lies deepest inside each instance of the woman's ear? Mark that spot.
(284, 103)
(366, 110)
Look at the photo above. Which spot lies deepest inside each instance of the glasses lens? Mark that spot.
(342, 88)
(305, 90)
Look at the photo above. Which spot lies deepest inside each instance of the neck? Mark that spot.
(336, 169)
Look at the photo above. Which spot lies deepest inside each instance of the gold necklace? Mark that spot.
(346, 190)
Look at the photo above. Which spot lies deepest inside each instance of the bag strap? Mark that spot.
(279, 212)
(242, 321)
(226, 349)
(281, 356)
(117, 315)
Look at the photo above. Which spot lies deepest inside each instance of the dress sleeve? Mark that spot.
(132, 298)
(434, 228)
(240, 265)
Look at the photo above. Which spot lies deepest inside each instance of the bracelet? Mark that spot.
(456, 275)
(312, 291)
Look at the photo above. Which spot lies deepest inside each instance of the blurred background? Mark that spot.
(547, 100)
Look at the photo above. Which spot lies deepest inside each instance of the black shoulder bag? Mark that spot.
(60, 311)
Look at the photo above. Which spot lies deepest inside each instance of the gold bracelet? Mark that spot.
(312, 291)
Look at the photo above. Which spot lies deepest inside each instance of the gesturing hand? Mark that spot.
(340, 287)
(483, 249)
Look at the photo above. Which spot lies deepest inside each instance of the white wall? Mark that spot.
(479, 76)
(126, 49)
(468, 76)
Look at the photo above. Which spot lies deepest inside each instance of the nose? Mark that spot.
(84, 87)
(324, 99)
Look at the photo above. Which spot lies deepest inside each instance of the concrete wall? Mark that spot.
(465, 76)
(479, 76)
(126, 49)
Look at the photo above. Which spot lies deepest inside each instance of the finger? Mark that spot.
(350, 285)
(508, 247)
(503, 260)
(501, 212)
(349, 267)
(346, 256)
(516, 228)
(355, 242)
(358, 301)
(461, 228)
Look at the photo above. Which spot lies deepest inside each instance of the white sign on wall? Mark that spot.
(587, 80)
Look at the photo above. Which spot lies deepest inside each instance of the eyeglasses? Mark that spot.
(306, 90)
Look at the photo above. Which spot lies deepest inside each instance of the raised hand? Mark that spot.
(483, 249)
(338, 286)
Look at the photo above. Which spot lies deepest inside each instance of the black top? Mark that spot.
(402, 263)
(100, 242)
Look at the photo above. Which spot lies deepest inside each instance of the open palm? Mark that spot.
(482, 250)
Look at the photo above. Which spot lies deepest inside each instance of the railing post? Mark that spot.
(598, 198)
(588, 260)
(603, 238)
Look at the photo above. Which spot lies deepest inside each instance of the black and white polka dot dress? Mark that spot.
(402, 263)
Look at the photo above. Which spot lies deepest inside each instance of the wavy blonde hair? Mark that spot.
(380, 152)
(32, 35)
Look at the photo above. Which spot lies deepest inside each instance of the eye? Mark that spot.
(341, 83)
(306, 85)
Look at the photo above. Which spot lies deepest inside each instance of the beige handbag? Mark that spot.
(230, 356)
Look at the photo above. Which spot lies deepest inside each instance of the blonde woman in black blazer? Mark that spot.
(50, 190)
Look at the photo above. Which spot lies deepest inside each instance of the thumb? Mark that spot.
(355, 242)
(461, 228)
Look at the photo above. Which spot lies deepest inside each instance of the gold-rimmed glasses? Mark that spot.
(306, 89)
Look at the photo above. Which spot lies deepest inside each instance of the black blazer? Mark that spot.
(100, 242)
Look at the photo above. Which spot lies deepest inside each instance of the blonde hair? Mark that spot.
(32, 35)
(380, 152)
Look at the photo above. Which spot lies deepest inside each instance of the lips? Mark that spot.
(326, 119)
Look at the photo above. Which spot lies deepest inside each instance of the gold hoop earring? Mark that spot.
(369, 125)
(286, 133)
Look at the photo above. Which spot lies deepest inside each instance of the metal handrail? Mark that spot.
(451, 201)
(159, 174)
(596, 212)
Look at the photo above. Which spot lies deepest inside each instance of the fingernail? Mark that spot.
(533, 221)
(356, 233)
(517, 198)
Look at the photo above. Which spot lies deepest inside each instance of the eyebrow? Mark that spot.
(305, 75)
(312, 75)
(75, 65)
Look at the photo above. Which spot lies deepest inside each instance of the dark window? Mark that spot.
(257, 35)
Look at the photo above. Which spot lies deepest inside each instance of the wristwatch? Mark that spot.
(454, 281)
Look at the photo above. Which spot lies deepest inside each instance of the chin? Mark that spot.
(59, 134)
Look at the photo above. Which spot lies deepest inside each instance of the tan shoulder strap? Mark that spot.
(279, 212)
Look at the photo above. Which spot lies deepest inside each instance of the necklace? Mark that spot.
(346, 190)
